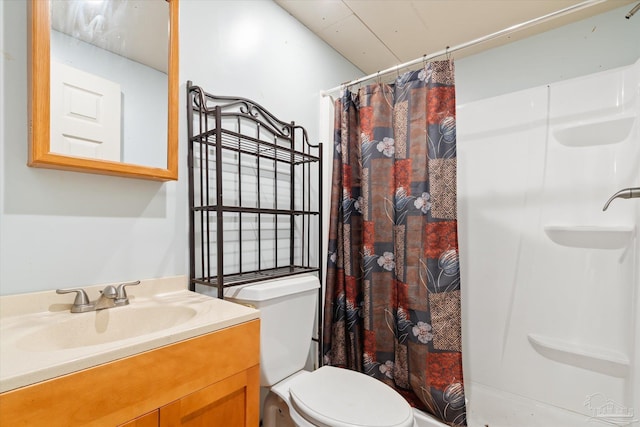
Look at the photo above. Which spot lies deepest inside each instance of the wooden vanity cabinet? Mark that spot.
(220, 405)
(152, 419)
(210, 380)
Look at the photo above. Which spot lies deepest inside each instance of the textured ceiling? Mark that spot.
(378, 34)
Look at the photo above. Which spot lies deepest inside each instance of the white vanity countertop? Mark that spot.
(31, 323)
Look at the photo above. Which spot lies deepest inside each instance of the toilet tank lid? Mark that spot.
(270, 289)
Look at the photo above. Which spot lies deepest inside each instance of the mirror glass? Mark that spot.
(112, 86)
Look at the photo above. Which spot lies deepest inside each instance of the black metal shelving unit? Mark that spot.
(254, 194)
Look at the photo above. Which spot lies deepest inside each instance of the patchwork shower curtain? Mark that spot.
(392, 307)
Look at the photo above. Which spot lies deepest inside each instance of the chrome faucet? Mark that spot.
(625, 193)
(121, 293)
(81, 304)
(108, 299)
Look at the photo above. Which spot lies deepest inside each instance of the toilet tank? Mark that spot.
(287, 314)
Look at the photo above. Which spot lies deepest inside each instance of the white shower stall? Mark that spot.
(550, 281)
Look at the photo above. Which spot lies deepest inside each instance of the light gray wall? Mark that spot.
(595, 44)
(64, 229)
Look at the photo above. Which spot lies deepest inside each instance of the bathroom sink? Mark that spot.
(41, 339)
(104, 326)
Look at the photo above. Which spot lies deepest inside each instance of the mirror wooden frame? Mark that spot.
(39, 108)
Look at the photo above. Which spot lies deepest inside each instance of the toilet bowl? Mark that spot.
(326, 397)
(335, 397)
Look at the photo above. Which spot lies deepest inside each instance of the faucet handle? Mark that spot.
(81, 303)
(121, 294)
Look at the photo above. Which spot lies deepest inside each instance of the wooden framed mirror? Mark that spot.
(139, 146)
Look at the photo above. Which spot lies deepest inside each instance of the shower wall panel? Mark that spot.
(550, 281)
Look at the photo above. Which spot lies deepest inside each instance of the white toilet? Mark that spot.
(326, 397)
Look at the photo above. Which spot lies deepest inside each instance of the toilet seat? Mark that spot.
(335, 397)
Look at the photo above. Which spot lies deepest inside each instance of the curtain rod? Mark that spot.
(447, 50)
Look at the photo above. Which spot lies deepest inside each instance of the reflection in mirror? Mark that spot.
(112, 69)
(109, 80)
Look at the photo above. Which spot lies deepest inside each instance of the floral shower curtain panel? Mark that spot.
(392, 307)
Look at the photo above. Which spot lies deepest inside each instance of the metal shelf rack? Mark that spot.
(254, 193)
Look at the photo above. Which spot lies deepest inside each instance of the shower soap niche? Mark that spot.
(593, 237)
(602, 132)
(597, 359)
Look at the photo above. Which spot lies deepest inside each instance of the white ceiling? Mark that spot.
(379, 34)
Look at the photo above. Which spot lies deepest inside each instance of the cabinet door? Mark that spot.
(150, 419)
(232, 402)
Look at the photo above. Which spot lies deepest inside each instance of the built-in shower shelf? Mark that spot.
(589, 357)
(594, 237)
(592, 133)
